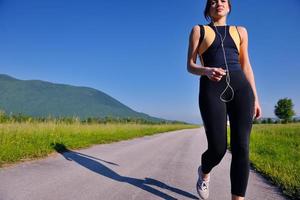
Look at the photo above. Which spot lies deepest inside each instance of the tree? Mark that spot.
(284, 109)
(269, 120)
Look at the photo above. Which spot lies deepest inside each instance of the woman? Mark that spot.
(227, 87)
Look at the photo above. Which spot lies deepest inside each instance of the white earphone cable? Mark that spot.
(227, 74)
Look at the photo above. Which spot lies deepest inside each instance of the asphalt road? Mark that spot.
(162, 166)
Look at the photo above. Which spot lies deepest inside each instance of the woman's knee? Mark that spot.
(218, 154)
(241, 151)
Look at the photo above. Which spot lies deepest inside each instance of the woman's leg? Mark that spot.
(214, 117)
(240, 111)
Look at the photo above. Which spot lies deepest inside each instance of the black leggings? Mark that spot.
(214, 115)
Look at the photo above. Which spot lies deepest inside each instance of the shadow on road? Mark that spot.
(88, 162)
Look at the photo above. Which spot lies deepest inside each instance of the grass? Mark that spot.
(26, 141)
(274, 148)
(275, 153)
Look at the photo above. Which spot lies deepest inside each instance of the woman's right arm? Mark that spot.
(212, 73)
(192, 67)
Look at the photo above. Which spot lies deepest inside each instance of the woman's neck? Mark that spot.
(219, 22)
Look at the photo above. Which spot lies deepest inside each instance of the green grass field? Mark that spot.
(274, 148)
(275, 152)
(26, 141)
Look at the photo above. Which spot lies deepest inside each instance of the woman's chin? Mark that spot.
(219, 15)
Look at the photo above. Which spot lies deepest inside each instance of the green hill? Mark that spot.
(41, 99)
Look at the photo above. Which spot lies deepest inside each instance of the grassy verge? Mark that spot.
(275, 153)
(26, 141)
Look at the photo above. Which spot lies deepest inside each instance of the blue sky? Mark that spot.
(136, 51)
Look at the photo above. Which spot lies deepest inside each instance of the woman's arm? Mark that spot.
(192, 67)
(246, 67)
(214, 74)
(244, 59)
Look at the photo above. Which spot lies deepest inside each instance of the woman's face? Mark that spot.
(218, 8)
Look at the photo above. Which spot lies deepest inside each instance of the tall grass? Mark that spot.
(275, 152)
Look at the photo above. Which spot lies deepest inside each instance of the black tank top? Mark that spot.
(210, 49)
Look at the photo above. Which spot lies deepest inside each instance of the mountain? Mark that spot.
(41, 99)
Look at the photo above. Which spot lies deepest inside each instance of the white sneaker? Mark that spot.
(202, 185)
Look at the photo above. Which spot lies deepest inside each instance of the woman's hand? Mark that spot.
(257, 110)
(215, 73)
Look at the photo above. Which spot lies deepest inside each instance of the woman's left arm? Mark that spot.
(246, 67)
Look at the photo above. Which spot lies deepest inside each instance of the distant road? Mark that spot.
(162, 166)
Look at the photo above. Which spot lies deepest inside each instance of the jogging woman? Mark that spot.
(227, 87)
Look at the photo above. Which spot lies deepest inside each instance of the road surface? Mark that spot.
(162, 166)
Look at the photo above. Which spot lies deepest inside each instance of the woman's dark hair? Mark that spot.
(207, 7)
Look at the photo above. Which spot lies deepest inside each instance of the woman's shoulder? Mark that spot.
(196, 27)
(240, 28)
(201, 25)
(195, 30)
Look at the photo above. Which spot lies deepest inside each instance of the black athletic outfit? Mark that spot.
(214, 112)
